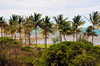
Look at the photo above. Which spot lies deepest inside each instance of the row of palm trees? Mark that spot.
(19, 24)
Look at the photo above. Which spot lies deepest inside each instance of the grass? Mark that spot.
(96, 45)
(39, 45)
(43, 46)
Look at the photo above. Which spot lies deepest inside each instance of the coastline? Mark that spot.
(41, 40)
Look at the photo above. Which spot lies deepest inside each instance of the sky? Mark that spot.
(69, 8)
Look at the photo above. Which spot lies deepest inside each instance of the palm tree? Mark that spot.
(2, 24)
(66, 30)
(59, 23)
(77, 21)
(20, 25)
(28, 27)
(94, 18)
(7, 30)
(88, 32)
(36, 21)
(13, 22)
(46, 28)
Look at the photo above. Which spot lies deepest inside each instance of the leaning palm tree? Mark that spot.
(94, 18)
(59, 23)
(77, 21)
(2, 24)
(46, 28)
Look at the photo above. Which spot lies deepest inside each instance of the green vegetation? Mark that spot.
(79, 52)
(66, 53)
(9, 50)
(24, 26)
(70, 53)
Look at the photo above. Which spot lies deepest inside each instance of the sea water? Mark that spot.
(68, 38)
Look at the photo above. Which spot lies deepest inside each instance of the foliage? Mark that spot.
(67, 53)
(55, 40)
(83, 39)
(9, 50)
(85, 60)
(27, 48)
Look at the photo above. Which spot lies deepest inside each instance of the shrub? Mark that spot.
(67, 52)
(9, 50)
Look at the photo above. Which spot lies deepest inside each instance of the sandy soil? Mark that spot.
(40, 39)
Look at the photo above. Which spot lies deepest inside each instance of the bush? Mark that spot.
(67, 52)
(9, 50)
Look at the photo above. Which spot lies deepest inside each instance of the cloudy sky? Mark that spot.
(69, 8)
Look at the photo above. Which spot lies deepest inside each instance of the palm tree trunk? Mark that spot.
(45, 41)
(73, 38)
(92, 33)
(1, 33)
(92, 38)
(76, 37)
(29, 40)
(15, 36)
(64, 37)
(36, 36)
(20, 36)
(25, 39)
(60, 37)
(87, 38)
(12, 36)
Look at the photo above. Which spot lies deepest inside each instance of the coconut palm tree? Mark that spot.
(36, 21)
(46, 28)
(13, 22)
(7, 30)
(28, 27)
(88, 32)
(2, 24)
(20, 25)
(59, 23)
(66, 30)
(94, 18)
(77, 21)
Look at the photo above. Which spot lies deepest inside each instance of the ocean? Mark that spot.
(69, 38)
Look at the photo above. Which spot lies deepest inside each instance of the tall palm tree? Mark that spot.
(36, 21)
(2, 24)
(94, 18)
(88, 32)
(66, 30)
(77, 21)
(13, 22)
(7, 30)
(28, 27)
(20, 25)
(46, 28)
(59, 23)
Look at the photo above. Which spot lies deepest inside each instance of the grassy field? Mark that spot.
(39, 45)
(43, 46)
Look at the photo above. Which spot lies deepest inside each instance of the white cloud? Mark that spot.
(69, 8)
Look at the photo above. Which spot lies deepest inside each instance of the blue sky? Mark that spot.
(69, 8)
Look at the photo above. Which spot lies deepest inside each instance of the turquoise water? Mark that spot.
(98, 31)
